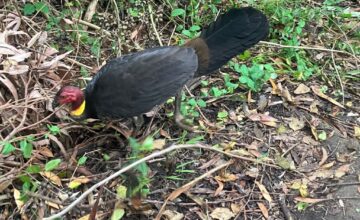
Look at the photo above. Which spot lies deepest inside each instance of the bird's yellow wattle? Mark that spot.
(79, 111)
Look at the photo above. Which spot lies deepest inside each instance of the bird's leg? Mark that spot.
(138, 122)
(179, 119)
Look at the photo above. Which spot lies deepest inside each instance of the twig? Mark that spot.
(153, 25)
(309, 48)
(92, 26)
(338, 76)
(18, 128)
(192, 183)
(343, 184)
(284, 208)
(147, 158)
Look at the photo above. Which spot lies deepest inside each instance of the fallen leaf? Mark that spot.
(52, 177)
(285, 163)
(265, 119)
(78, 181)
(10, 86)
(85, 217)
(20, 57)
(328, 165)
(263, 209)
(159, 144)
(46, 152)
(357, 131)
(17, 197)
(53, 205)
(264, 191)
(342, 170)
(252, 172)
(318, 92)
(308, 200)
(172, 215)
(237, 208)
(323, 174)
(4, 184)
(324, 156)
(226, 177)
(302, 89)
(220, 187)
(222, 214)
(296, 124)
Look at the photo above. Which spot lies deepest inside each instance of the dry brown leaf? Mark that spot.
(46, 152)
(226, 177)
(4, 184)
(301, 89)
(13, 68)
(20, 57)
(179, 191)
(220, 187)
(318, 92)
(78, 181)
(159, 144)
(9, 85)
(284, 92)
(342, 170)
(357, 131)
(172, 215)
(263, 209)
(323, 174)
(52, 177)
(33, 40)
(265, 119)
(222, 214)
(237, 208)
(17, 197)
(7, 49)
(53, 205)
(328, 165)
(264, 191)
(308, 200)
(165, 134)
(85, 217)
(296, 124)
(324, 156)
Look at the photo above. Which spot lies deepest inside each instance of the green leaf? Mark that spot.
(121, 191)
(118, 214)
(26, 148)
(201, 103)
(82, 160)
(223, 114)
(195, 140)
(53, 129)
(143, 169)
(192, 102)
(147, 145)
(187, 33)
(52, 164)
(177, 12)
(106, 157)
(8, 148)
(195, 28)
(29, 9)
(42, 7)
(33, 169)
(322, 136)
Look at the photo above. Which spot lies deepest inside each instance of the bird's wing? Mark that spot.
(135, 83)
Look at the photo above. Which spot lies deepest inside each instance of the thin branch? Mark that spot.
(147, 158)
(153, 25)
(309, 48)
(191, 184)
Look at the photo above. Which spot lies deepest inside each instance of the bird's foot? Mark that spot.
(138, 122)
(182, 123)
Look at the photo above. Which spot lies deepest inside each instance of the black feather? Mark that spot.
(231, 34)
(133, 84)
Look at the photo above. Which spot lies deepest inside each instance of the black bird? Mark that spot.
(133, 84)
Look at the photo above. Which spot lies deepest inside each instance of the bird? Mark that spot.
(135, 83)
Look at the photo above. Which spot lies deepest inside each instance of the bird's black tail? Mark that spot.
(231, 34)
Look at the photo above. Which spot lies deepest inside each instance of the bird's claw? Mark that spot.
(182, 123)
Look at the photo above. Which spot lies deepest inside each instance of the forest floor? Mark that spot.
(278, 127)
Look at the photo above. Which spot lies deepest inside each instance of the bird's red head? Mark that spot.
(72, 96)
